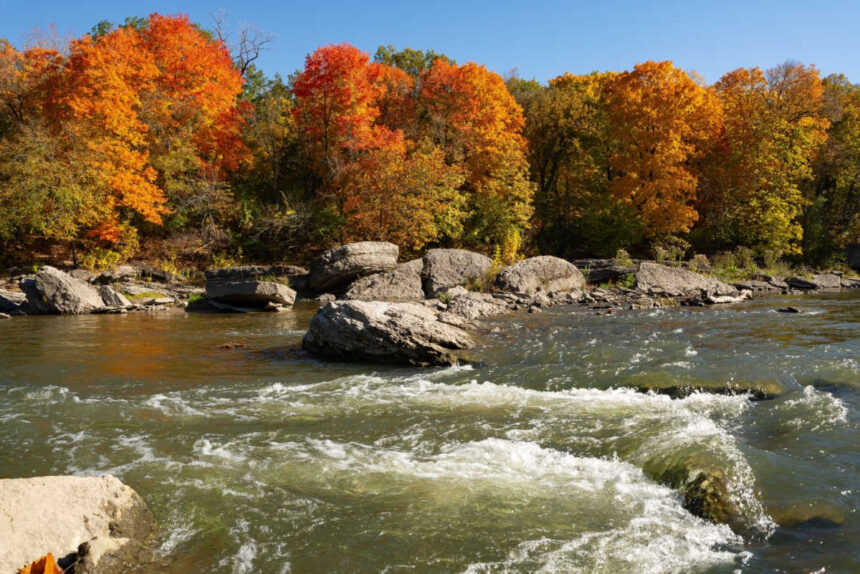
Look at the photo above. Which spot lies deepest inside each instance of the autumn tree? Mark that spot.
(377, 184)
(473, 118)
(661, 121)
(752, 192)
(833, 215)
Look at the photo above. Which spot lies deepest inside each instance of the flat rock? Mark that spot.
(401, 284)
(469, 307)
(383, 332)
(250, 292)
(755, 286)
(547, 273)
(120, 273)
(655, 279)
(848, 283)
(55, 292)
(57, 514)
(152, 273)
(444, 268)
(821, 281)
(339, 267)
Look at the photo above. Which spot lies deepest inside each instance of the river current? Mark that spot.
(255, 458)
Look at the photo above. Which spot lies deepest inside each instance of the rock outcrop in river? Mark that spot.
(547, 273)
(401, 284)
(337, 268)
(445, 268)
(247, 288)
(400, 333)
(97, 521)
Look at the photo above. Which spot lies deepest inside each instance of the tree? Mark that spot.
(661, 120)
(473, 118)
(773, 128)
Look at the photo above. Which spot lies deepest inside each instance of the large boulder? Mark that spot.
(399, 333)
(60, 514)
(337, 268)
(655, 279)
(55, 292)
(247, 287)
(550, 274)
(401, 284)
(599, 271)
(445, 268)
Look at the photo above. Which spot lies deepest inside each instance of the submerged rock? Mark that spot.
(401, 284)
(404, 333)
(706, 495)
(656, 279)
(757, 390)
(547, 273)
(55, 292)
(337, 268)
(444, 268)
(98, 521)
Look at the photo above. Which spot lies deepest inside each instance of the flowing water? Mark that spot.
(259, 459)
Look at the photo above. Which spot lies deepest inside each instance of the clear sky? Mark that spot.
(541, 39)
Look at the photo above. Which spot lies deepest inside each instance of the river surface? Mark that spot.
(258, 459)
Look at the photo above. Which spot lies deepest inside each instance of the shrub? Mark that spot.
(699, 262)
(669, 249)
(622, 258)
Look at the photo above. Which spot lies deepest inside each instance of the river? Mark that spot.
(255, 458)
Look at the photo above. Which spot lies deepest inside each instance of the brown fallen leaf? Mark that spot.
(44, 565)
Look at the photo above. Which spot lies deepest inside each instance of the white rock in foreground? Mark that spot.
(57, 514)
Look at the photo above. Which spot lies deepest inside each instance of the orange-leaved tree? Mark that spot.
(661, 121)
(475, 120)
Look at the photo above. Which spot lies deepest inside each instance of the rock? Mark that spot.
(850, 283)
(246, 287)
(547, 273)
(113, 299)
(827, 281)
(121, 273)
(82, 275)
(5, 316)
(140, 290)
(471, 307)
(147, 271)
(757, 390)
(416, 265)
(773, 280)
(339, 267)
(325, 298)
(12, 301)
(605, 270)
(53, 291)
(400, 333)
(59, 514)
(656, 279)
(154, 301)
(788, 310)
(755, 286)
(401, 284)
(706, 495)
(444, 268)
(822, 281)
(815, 513)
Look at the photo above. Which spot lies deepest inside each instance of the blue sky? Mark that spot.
(541, 39)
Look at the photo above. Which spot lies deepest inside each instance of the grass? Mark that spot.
(145, 295)
(196, 298)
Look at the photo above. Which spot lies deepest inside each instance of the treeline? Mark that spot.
(152, 140)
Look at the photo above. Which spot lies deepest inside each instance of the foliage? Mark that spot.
(669, 250)
(622, 258)
(662, 121)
